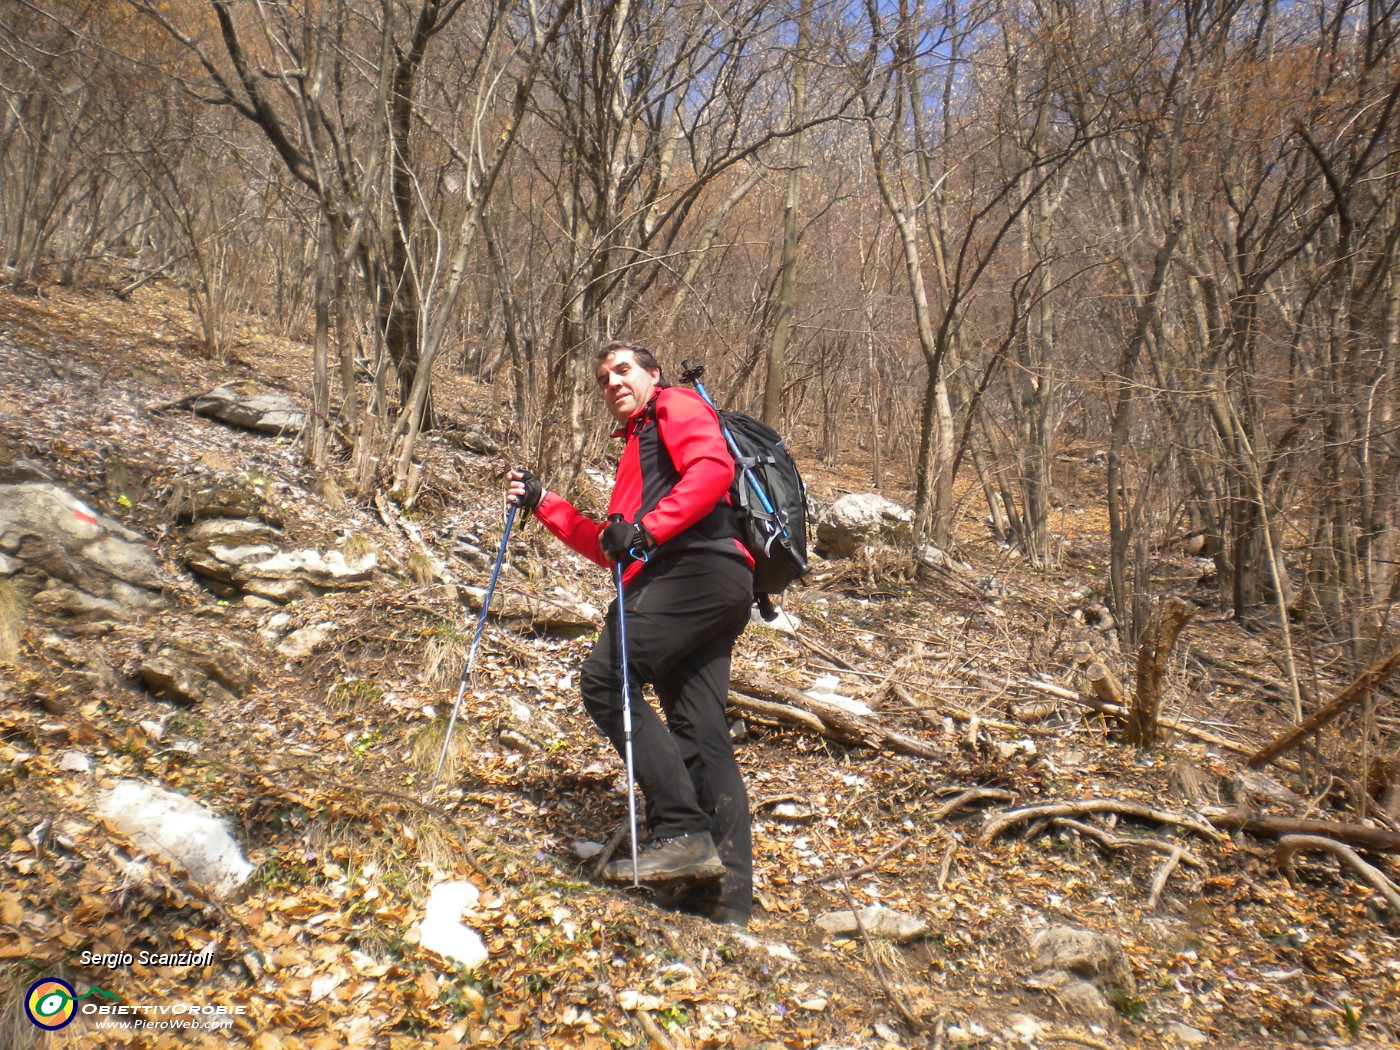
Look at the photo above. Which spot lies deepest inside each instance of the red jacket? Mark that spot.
(674, 472)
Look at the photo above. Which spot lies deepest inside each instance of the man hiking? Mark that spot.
(688, 585)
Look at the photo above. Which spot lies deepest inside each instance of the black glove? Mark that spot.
(534, 491)
(624, 541)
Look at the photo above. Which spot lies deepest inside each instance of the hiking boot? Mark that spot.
(689, 858)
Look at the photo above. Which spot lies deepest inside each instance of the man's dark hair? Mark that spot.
(640, 354)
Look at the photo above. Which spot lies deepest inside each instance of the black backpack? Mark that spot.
(769, 499)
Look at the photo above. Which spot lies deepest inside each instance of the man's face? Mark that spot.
(625, 384)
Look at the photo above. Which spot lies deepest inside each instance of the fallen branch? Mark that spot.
(1376, 674)
(1360, 835)
(1290, 845)
(999, 822)
(949, 855)
(896, 1000)
(933, 715)
(653, 1030)
(1119, 713)
(867, 867)
(1081, 1040)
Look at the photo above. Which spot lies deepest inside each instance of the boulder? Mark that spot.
(234, 557)
(71, 559)
(179, 828)
(862, 519)
(1084, 970)
(1086, 953)
(243, 405)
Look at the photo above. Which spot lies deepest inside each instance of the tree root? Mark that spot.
(996, 823)
(946, 810)
(1159, 881)
(1291, 845)
(1113, 843)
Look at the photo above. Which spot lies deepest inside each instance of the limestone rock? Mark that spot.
(1184, 1033)
(861, 519)
(1086, 953)
(75, 762)
(226, 496)
(179, 828)
(90, 565)
(1079, 997)
(235, 556)
(242, 405)
(302, 643)
(527, 729)
(878, 921)
(192, 670)
(169, 679)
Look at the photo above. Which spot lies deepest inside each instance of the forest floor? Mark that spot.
(322, 768)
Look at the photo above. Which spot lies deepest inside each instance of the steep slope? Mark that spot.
(316, 716)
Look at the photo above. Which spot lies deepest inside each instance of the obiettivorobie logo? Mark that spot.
(52, 1004)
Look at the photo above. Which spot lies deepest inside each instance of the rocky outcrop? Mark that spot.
(224, 496)
(191, 671)
(243, 405)
(862, 519)
(235, 557)
(70, 559)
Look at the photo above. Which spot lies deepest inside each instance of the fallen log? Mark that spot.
(776, 714)
(1377, 839)
(836, 722)
(1373, 676)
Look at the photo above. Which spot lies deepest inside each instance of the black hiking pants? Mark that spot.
(685, 611)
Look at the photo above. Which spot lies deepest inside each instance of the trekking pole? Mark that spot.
(692, 374)
(476, 641)
(626, 711)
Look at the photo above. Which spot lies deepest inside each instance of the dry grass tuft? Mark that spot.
(427, 743)
(356, 546)
(443, 657)
(352, 692)
(15, 1029)
(328, 490)
(420, 568)
(11, 619)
